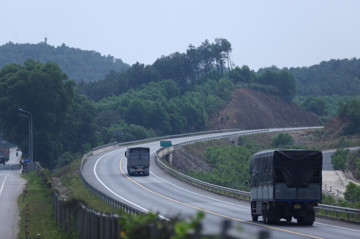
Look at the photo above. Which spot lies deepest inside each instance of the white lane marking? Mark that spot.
(3, 184)
(117, 195)
(136, 205)
(324, 224)
(343, 228)
(197, 194)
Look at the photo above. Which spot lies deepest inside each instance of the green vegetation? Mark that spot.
(59, 115)
(350, 112)
(334, 77)
(353, 163)
(344, 159)
(36, 207)
(77, 64)
(338, 159)
(149, 106)
(160, 109)
(352, 194)
(42, 222)
(176, 94)
(351, 197)
(230, 166)
(315, 105)
(282, 139)
(72, 186)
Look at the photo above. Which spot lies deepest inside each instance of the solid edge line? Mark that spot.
(3, 184)
(211, 212)
(104, 185)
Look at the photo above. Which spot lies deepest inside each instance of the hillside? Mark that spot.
(340, 77)
(76, 63)
(250, 109)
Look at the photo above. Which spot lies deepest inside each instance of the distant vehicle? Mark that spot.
(2, 158)
(4, 154)
(138, 160)
(286, 184)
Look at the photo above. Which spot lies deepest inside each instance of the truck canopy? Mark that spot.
(298, 167)
(138, 156)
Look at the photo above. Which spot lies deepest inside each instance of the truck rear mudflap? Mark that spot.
(273, 212)
(138, 171)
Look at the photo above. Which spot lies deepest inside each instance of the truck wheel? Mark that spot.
(288, 219)
(265, 214)
(273, 214)
(305, 221)
(255, 218)
(309, 223)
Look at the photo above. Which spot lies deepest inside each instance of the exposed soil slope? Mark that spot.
(250, 109)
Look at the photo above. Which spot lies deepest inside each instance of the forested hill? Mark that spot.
(76, 63)
(334, 77)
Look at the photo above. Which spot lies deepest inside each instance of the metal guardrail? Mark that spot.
(112, 202)
(84, 222)
(208, 186)
(117, 204)
(323, 210)
(341, 213)
(10, 167)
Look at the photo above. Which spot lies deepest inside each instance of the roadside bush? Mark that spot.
(282, 139)
(338, 159)
(352, 194)
(354, 163)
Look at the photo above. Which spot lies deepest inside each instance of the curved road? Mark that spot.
(169, 197)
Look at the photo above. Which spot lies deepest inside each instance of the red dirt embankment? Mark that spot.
(250, 109)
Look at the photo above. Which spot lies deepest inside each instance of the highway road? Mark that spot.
(11, 186)
(162, 193)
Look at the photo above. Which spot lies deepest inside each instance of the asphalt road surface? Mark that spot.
(168, 196)
(11, 186)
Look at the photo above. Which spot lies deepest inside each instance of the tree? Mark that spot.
(76, 63)
(352, 193)
(43, 90)
(350, 112)
(242, 75)
(176, 67)
(222, 49)
(139, 74)
(338, 159)
(282, 139)
(315, 105)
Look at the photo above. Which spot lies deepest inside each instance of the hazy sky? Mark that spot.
(262, 33)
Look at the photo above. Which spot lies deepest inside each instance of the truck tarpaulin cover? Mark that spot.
(298, 166)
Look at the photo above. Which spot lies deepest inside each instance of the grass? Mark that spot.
(70, 179)
(36, 211)
(36, 207)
